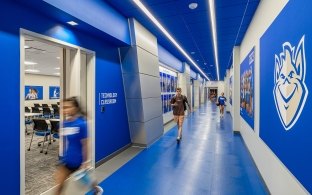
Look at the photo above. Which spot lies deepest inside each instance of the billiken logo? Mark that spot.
(290, 91)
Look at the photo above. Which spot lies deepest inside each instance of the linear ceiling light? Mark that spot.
(155, 21)
(214, 33)
(30, 63)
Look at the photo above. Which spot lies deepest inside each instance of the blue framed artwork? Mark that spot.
(247, 88)
(285, 102)
(33, 92)
(54, 92)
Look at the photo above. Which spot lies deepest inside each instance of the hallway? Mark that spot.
(209, 160)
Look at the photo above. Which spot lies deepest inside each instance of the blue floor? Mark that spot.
(209, 160)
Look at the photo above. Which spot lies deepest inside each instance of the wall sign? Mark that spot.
(107, 98)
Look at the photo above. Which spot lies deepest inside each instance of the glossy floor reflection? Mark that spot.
(209, 160)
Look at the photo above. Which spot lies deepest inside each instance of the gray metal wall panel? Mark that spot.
(135, 110)
(129, 60)
(137, 132)
(152, 108)
(155, 129)
(148, 63)
(133, 85)
(144, 38)
(150, 86)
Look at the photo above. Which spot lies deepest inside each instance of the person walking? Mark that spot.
(221, 103)
(178, 103)
(75, 136)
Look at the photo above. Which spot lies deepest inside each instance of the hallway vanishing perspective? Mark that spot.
(209, 160)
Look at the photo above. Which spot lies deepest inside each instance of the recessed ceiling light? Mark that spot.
(211, 64)
(26, 47)
(193, 52)
(57, 68)
(32, 70)
(58, 57)
(72, 23)
(193, 5)
(30, 63)
(205, 63)
(197, 60)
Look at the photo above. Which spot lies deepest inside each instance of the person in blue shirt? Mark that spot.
(221, 102)
(75, 136)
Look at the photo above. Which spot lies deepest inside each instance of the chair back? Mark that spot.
(35, 110)
(40, 125)
(55, 126)
(54, 106)
(27, 110)
(45, 106)
(46, 110)
(37, 105)
(56, 113)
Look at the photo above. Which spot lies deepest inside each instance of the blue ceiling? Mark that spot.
(191, 28)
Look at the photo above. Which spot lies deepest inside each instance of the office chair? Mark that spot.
(55, 127)
(54, 106)
(45, 106)
(40, 129)
(56, 113)
(27, 110)
(46, 112)
(37, 105)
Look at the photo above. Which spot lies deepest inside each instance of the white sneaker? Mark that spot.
(99, 190)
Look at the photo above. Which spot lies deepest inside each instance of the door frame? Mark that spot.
(90, 91)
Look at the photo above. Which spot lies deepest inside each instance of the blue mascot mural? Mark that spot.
(285, 82)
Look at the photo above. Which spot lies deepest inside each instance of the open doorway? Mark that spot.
(213, 94)
(50, 71)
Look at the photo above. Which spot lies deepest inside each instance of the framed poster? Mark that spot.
(285, 102)
(161, 82)
(168, 83)
(247, 88)
(230, 89)
(33, 92)
(54, 92)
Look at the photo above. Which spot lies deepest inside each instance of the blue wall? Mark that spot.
(285, 104)
(109, 136)
(98, 14)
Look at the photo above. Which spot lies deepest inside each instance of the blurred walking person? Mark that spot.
(76, 139)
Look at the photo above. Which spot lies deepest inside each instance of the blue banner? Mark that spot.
(285, 103)
(54, 92)
(247, 68)
(33, 92)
